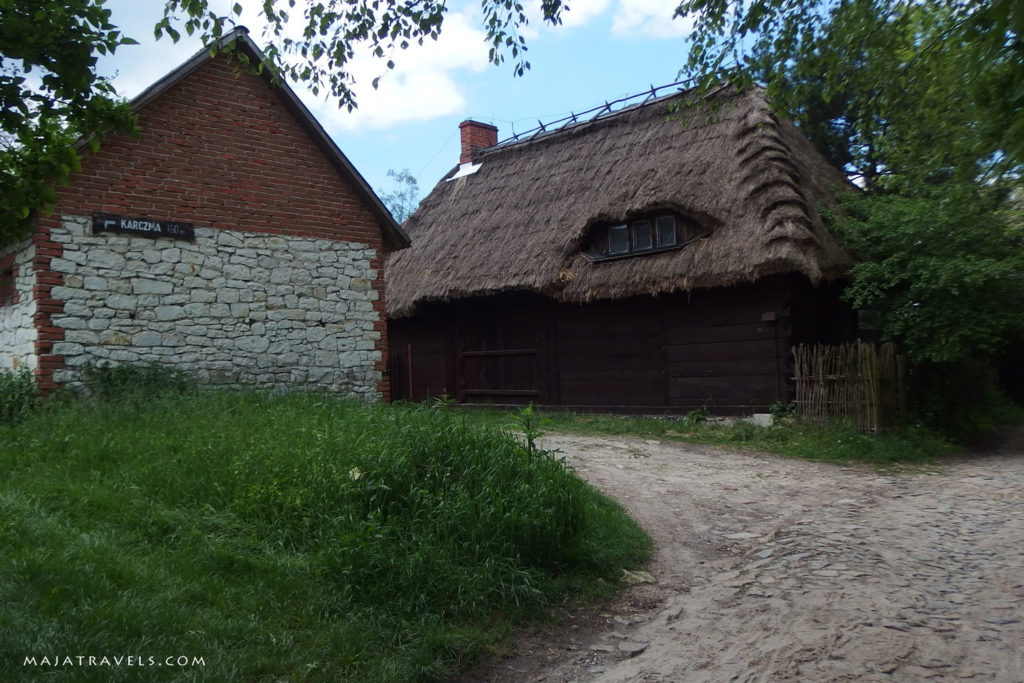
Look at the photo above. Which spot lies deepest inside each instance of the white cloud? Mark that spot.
(630, 18)
(579, 12)
(422, 86)
(574, 13)
(649, 18)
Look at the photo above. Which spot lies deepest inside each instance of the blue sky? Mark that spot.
(605, 49)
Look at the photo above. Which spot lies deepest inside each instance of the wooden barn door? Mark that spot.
(501, 356)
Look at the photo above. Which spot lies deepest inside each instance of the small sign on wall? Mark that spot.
(142, 227)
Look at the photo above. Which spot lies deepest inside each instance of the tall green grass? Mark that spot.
(283, 538)
(18, 395)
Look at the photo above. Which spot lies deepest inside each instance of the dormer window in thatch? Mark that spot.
(646, 235)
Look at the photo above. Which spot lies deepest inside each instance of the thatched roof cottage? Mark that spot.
(642, 259)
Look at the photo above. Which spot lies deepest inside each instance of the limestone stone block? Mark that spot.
(147, 338)
(104, 258)
(227, 296)
(197, 310)
(120, 301)
(94, 282)
(147, 286)
(229, 239)
(252, 344)
(81, 336)
(64, 348)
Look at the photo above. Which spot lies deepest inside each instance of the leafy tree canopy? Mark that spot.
(50, 96)
(948, 275)
(898, 92)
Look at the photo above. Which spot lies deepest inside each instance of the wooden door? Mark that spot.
(501, 356)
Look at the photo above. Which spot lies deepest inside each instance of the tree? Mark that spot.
(947, 275)
(899, 118)
(903, 96)
(735, 41)
(404, 198)
(51, 95)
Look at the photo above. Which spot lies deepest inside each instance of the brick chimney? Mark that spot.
(476, 135)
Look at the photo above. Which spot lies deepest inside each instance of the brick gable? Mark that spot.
(219, 148)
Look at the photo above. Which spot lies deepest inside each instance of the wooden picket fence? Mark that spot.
(862, 382)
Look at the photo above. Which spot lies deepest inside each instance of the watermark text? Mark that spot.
(140, 661)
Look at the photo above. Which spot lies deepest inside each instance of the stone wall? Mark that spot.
(233, 307)
(17, 331)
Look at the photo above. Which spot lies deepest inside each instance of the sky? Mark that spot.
(604, 50)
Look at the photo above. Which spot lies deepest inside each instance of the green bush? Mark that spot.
(19, 396)
(960, 400)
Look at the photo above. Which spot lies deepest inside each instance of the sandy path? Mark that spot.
(773, 569)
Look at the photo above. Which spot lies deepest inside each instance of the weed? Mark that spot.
(443, 401)
(529, 423)
(120, 381)
(782, 410)
(697, 416)
(19, 396)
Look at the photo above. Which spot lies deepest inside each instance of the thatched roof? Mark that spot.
(518, 222)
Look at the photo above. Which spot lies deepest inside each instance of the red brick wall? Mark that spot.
(46, 306)
(219, 149)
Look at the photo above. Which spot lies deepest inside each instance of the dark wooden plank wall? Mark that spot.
(419, 352)
(612, 354)
(727, 348)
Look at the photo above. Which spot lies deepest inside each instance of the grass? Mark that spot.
(837, 442)
(18, 398)
(292, 538)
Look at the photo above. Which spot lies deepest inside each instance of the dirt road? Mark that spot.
(770, 569)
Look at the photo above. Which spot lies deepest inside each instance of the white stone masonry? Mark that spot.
(230, 308)
(17, 332)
